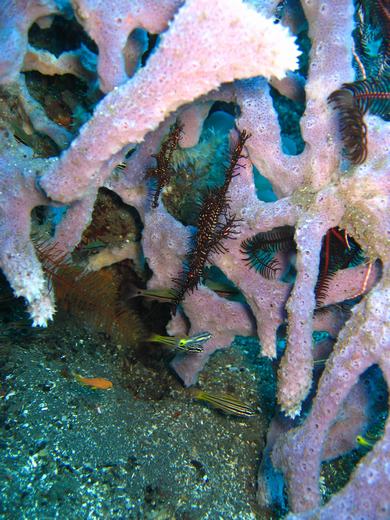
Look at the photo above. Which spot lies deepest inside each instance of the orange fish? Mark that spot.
(97, 383)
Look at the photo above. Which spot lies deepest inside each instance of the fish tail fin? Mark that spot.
(197, 394)
(154, 338)
(165, 340)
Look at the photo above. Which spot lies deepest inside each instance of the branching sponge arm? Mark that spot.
(129, 112)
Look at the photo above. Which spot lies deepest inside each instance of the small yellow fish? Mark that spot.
(364, 442)
(226, 403)
(184, 343)
(96, 383)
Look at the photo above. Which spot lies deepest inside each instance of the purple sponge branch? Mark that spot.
(139, 105)
(111, 26)
(16, 18)
(298, 454)
(18, 197)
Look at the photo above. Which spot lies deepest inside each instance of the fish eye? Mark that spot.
(182, 342)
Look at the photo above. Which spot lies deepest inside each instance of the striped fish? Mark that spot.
(226, 403)
(120, 167)
(168, 296)
(191, 344)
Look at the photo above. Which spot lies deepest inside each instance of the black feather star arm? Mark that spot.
(383, 10)
(352, 127)
(264, 263)
(372, 92)
(372, 29)
(278, 239)
(352, 101)
(372, 95)
(322, 287)
(338, 251)
(259, 250)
